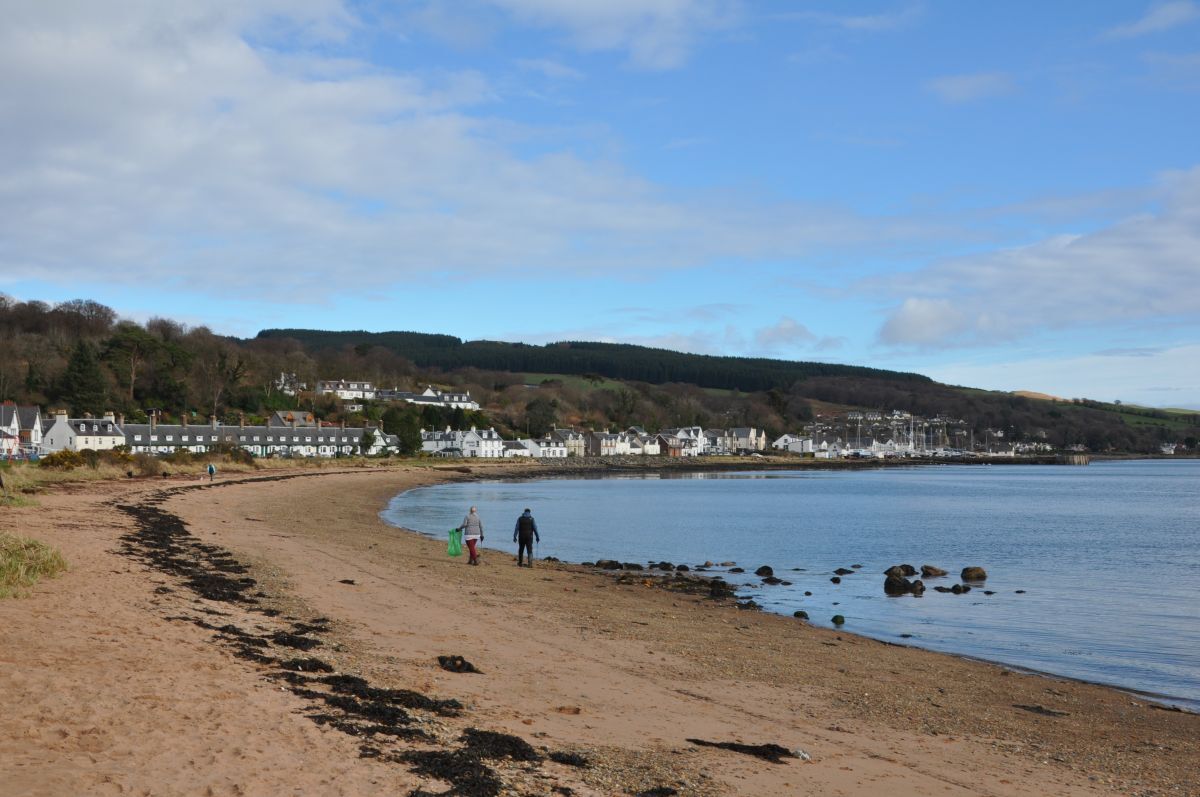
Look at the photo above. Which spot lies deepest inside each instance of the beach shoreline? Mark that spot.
(627, 677)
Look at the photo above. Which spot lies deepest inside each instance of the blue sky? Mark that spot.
(997, 195)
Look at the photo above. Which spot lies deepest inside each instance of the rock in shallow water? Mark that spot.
(974, 574)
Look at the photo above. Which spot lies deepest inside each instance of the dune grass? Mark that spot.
(23, 561)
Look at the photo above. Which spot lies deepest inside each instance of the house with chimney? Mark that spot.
(77, 434)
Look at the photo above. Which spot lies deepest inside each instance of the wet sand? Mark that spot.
(171, 659)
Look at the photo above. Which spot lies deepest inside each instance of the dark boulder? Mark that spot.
(737, 570)
(807, 594)
(941, 589)
(664, 566)
(608, 564)
(682, 568)
(772, 580)
(929, 571)
(708, 563)
(836, 579)
(632, 566)
(917, 588)
(838, 620)
(842, 571)
(897, 585)
(974, 574)
(900, 570)
(765, 570)
(800, 615)
(957, 589)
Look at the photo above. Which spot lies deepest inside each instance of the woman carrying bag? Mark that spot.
(472, 529)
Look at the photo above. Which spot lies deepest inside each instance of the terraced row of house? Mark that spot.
(24, 432)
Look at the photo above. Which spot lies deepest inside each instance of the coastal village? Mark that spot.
(28, 432)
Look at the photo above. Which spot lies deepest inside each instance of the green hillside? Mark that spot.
(609, 360)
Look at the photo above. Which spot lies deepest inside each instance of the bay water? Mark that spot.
(1107, 557)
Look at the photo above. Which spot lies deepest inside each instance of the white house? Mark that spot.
(794, 443)
(23, 429)
(574, 441)
(431, 397)
(77, 434)
(347, 389)
(484, 443)
(549, 448)
(517, 448)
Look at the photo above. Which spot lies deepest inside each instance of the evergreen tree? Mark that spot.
(82, 385)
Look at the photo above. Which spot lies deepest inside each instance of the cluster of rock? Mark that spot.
(896, 581)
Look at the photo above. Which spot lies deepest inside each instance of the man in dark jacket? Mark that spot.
(524, 533)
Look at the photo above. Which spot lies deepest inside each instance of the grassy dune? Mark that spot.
(23, 561)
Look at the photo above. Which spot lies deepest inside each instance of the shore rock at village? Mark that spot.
(765, 570)
(974, 574)
(930, 571)
(900, 570)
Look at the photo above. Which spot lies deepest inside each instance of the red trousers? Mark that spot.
(471, 548)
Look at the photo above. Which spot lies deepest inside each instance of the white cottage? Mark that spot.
(77, 434)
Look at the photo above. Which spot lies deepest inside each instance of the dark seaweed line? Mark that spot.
(161, 541)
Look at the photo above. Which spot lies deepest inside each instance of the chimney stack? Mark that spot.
(183, 419)
(241, 420)
(212, 420)
(153, 420)
(120, 419)
(108, 416)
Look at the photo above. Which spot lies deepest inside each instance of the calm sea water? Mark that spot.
(1108, 555)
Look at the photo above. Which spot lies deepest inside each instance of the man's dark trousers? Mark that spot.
(525, 543)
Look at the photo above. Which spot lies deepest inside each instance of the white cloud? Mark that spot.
(787, 333)
(158, 144)
(550, 69)
(1158, 18)
(1143, 268)
(656, 34)
(863, 22)
(967, 88)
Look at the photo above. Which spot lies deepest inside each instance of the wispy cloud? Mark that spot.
(862, 22)
(1142, 268)
(656, 34)
(786, 333)
(550, 69)
(968, 88)
(153, 157)
(1158, 18)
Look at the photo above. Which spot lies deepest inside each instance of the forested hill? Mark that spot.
(609, 360)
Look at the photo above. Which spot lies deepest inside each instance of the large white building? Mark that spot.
(347, 389)
(431, 397)
(77, 434)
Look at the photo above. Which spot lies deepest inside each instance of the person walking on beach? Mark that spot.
(212, 471)
(472, 529)
(524, 533)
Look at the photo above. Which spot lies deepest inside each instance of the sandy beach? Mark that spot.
(184, 653)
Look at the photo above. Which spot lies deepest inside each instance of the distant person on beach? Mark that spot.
(212, 471)
(472, 529)
(524, 533)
